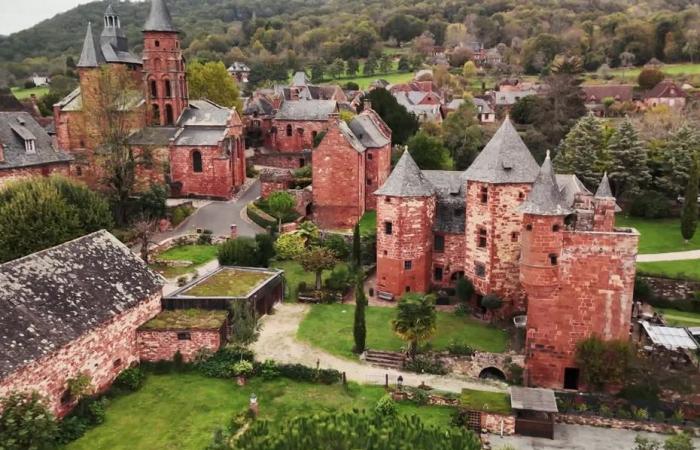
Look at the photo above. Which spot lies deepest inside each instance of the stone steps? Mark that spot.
(392, 360)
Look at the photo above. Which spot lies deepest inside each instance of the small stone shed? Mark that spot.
(260, 287)
(184, 330)
(534, 409)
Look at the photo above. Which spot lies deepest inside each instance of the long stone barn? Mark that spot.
(69, 310)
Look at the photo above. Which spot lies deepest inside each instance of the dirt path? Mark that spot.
(278, 342)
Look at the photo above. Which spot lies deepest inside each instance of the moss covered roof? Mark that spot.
(187, 319)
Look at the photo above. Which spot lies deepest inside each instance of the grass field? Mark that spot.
(197, 254)
(330, 328)
(630, 75)
(295, 274)
(181, 411)
(678, 318)
(688, 269)
(368, 223)
(659, 235)
(365, 81)
(22, 93)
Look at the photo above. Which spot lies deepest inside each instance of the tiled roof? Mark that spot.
(15, 127)
(569, 186)
(505, 159)
(258, 104)
(666, 89)
(596, 93)
(159, 18)
(306, 110)
(406, 180)
(545, 199)
(55, 296)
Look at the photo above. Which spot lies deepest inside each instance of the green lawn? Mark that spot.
(330, 328)
(22, 93)
(678, 318)
(498, 402)
(365, 81)
(631, 74)
(688, 269)
(198, 254)
(294, 274)
(659, 235)
(180, 411)
(368, 223)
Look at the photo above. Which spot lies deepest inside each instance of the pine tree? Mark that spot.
(359, 329)
(689, 215)
(628, 169)
(356, 247)
(581, 151)
(678, 158)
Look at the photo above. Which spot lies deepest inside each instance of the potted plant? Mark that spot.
(241, 370)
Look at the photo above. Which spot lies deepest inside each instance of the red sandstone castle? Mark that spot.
(196, 146)
(541, 242)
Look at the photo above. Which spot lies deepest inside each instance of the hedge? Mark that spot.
(260, 217)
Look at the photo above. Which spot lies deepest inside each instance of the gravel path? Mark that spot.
(278, 342)
(673, 256)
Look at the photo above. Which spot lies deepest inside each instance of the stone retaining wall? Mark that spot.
(472, 366)
(157, 345)
(495, 423)
(668, 289)
(605, 422)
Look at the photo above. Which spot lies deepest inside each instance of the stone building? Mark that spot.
(298, 122)
(200, 142)
(488, 224)
(69, 310)
(27, 150)
(668, 93)
(349, 164)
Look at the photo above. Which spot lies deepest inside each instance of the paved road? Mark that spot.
(278, 341)
(674, 256)
(578, 437)
(218, 217)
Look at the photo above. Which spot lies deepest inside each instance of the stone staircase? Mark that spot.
(392, 360)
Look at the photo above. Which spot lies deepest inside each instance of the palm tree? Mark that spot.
(415, 320)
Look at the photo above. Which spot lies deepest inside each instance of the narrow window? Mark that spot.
(553, 259)
(408, 264)
(289, 130)
(369, 156)
(157, 43)
(387, 199)
(408, 289)
(439, 243)
(184, 336)
(196, 161)
(154, 89)
(514, 236)
(555, 227)
(437, 276)
(521, 195)
(528, 227)
(484, 194)
(117, 363)
(369, 181)
(482, 238)
(168, 89)
(156, 114)
(169, 117)
(385, 253)
(479, 270)
(79, 171)
(388, 227)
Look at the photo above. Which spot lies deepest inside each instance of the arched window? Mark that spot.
(157, 43)
(154, 88)
(196, 161)
(168, 89)
(156, 114)
(169, 119)
(289, 130)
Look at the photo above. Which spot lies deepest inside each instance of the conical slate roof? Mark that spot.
(505, 159)
(406, 180)
(545, 199)
(91, 56)
(110, 10)
(604, 190)
(159, 18)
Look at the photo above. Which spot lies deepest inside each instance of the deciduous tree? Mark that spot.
(316, 260)
(281, 203)
(429, 153)
(212, 81)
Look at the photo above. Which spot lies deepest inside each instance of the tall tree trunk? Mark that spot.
(318, 280)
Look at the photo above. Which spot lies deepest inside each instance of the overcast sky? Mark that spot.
(16, 15)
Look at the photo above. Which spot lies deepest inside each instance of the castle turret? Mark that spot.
(497, 183)
(604, 207)
(405, 215)
(163, 66)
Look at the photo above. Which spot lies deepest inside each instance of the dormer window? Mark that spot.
(30, 146)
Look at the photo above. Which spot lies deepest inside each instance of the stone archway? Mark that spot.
(492, 373)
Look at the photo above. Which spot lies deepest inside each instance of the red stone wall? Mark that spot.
(502, 222)
(267, 187)
(216, 179)
(101, 354)
(299, 140)
(8, 175)
(157, 345)
(162, 60)
(378, 168)
(338, 182)
(283, 160)
(411, 240)
(594, 297)
(155, 166)
(451, 260)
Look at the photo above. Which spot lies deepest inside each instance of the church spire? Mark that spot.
(91, 56)
(159, 18)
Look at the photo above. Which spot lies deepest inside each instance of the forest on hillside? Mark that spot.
(280, 36)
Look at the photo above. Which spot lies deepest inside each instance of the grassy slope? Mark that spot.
(294, 274)
(685, 270)
(330, 328)
(198, 254)
(180, 411)
(659, 235)
(22, 93)
(681, 318)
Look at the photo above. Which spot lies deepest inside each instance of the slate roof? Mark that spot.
(91, 55)
(507, 98)
(306, 109)
(451, 203)
(350, 137)
(368, 132)
(72, 101)
(54, 296)
(204, 113)
(153, 136)
(596, 93)
(533, 399)
(505, 159)
(200, 136)
(15, 127)
(406, 180)
(545, 198)
(604, 190)
(159, 18)
(258, 104)
(569, 186)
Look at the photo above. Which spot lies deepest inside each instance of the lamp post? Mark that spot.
(253, 405)
(399, 382)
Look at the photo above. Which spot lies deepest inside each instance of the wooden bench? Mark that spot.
(388, 296)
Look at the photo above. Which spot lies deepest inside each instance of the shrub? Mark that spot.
(300, 372)
(419, 396)
(180, 213)
(640, 413)
(242, 368)
(70, 429)
(131, 379)
(26, 423)
(515, 374)
(260, 217)
(648, 78)
(302, 287)
(337, 244)
(623, 413)
(220, 364)
(642, 290)
(423, 364)
(679, 441)
(242, 251)
(290, 246)
(181, 281)
(386, 407)
(463, 309)
(491, 302)
(268, 370)
(605, 411)
(650, 205)
(204, 237)
(581, 407)
(464, 289)
(459, 348)
(603, 362)
(659, 416)
(352, 86)
(339, 279)
(266, 249)
(678, 417)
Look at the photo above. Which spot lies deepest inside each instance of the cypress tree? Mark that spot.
(628, 169)
(582, 151)
(356, 247)
(689, 215)
(359, 329)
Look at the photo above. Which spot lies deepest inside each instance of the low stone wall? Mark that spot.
(286, 160)
(472, 366)
(604, 422)
(668, 289)
(157, 345)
